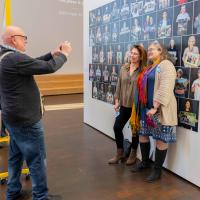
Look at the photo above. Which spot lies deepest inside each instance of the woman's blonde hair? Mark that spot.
(164, 53)
(191, 38)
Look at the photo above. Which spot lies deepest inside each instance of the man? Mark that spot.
(21, 110)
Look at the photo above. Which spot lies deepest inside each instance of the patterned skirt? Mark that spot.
(164, 133)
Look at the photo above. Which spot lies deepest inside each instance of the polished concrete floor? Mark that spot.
(77, 165)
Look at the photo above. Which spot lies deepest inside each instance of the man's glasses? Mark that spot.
(23, 36)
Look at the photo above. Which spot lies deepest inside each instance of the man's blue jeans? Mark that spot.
(27, 143)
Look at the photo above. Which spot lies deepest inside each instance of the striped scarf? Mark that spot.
(140, 98)
(134, 120)
(142, 82)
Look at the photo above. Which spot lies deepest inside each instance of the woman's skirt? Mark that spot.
(164, 133)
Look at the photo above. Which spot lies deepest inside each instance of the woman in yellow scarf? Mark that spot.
(126, 91)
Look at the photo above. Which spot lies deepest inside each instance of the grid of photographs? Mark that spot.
(115, 27)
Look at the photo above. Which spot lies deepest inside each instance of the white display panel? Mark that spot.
(182, 157)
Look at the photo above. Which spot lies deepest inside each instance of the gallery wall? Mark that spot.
(116, 26)
(106, 35)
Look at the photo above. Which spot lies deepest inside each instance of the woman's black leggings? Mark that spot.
(120, 122)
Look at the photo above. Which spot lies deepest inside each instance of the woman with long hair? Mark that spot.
(158, 113)
(192, 49)
(126, 90)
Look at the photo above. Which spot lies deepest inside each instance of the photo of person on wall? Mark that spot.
(164, 25)
(173, 46)
(92, 37)
(110, 55)
(182, 20)
(106, 14)
(98, 35)
(188, 112)
(163, 4)
(94, 90)
(106, 74)
(181, 84)
(101, 93)
(125, 9)
(102, 58)
(149, 6)
(136, 8)
(124, 31)
(114, 76)
(106, 34)
(196, 24)
(115, 13)
(146, 27)
(91, 72)
(98, 73)
(119, 54)
(136, 30)
(191, 53)
(195, 88)
(98, 16)
(115, 32)
(95, 56)
(92, 18)
(152, 27)
(127, 53)
(110, 95)
(149, 26)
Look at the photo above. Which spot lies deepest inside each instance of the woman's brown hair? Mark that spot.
(143, 54)
(164, 53)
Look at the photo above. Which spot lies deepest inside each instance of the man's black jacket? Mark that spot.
(20, 97)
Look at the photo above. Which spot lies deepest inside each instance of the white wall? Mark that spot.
(47, 23)
(183, 156)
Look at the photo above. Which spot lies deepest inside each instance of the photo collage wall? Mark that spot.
(115, 27)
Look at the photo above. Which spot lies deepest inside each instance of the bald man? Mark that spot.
(21, 110)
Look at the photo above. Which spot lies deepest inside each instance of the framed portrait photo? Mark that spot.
(192, 59)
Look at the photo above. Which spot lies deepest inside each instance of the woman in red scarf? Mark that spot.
(158, 108)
